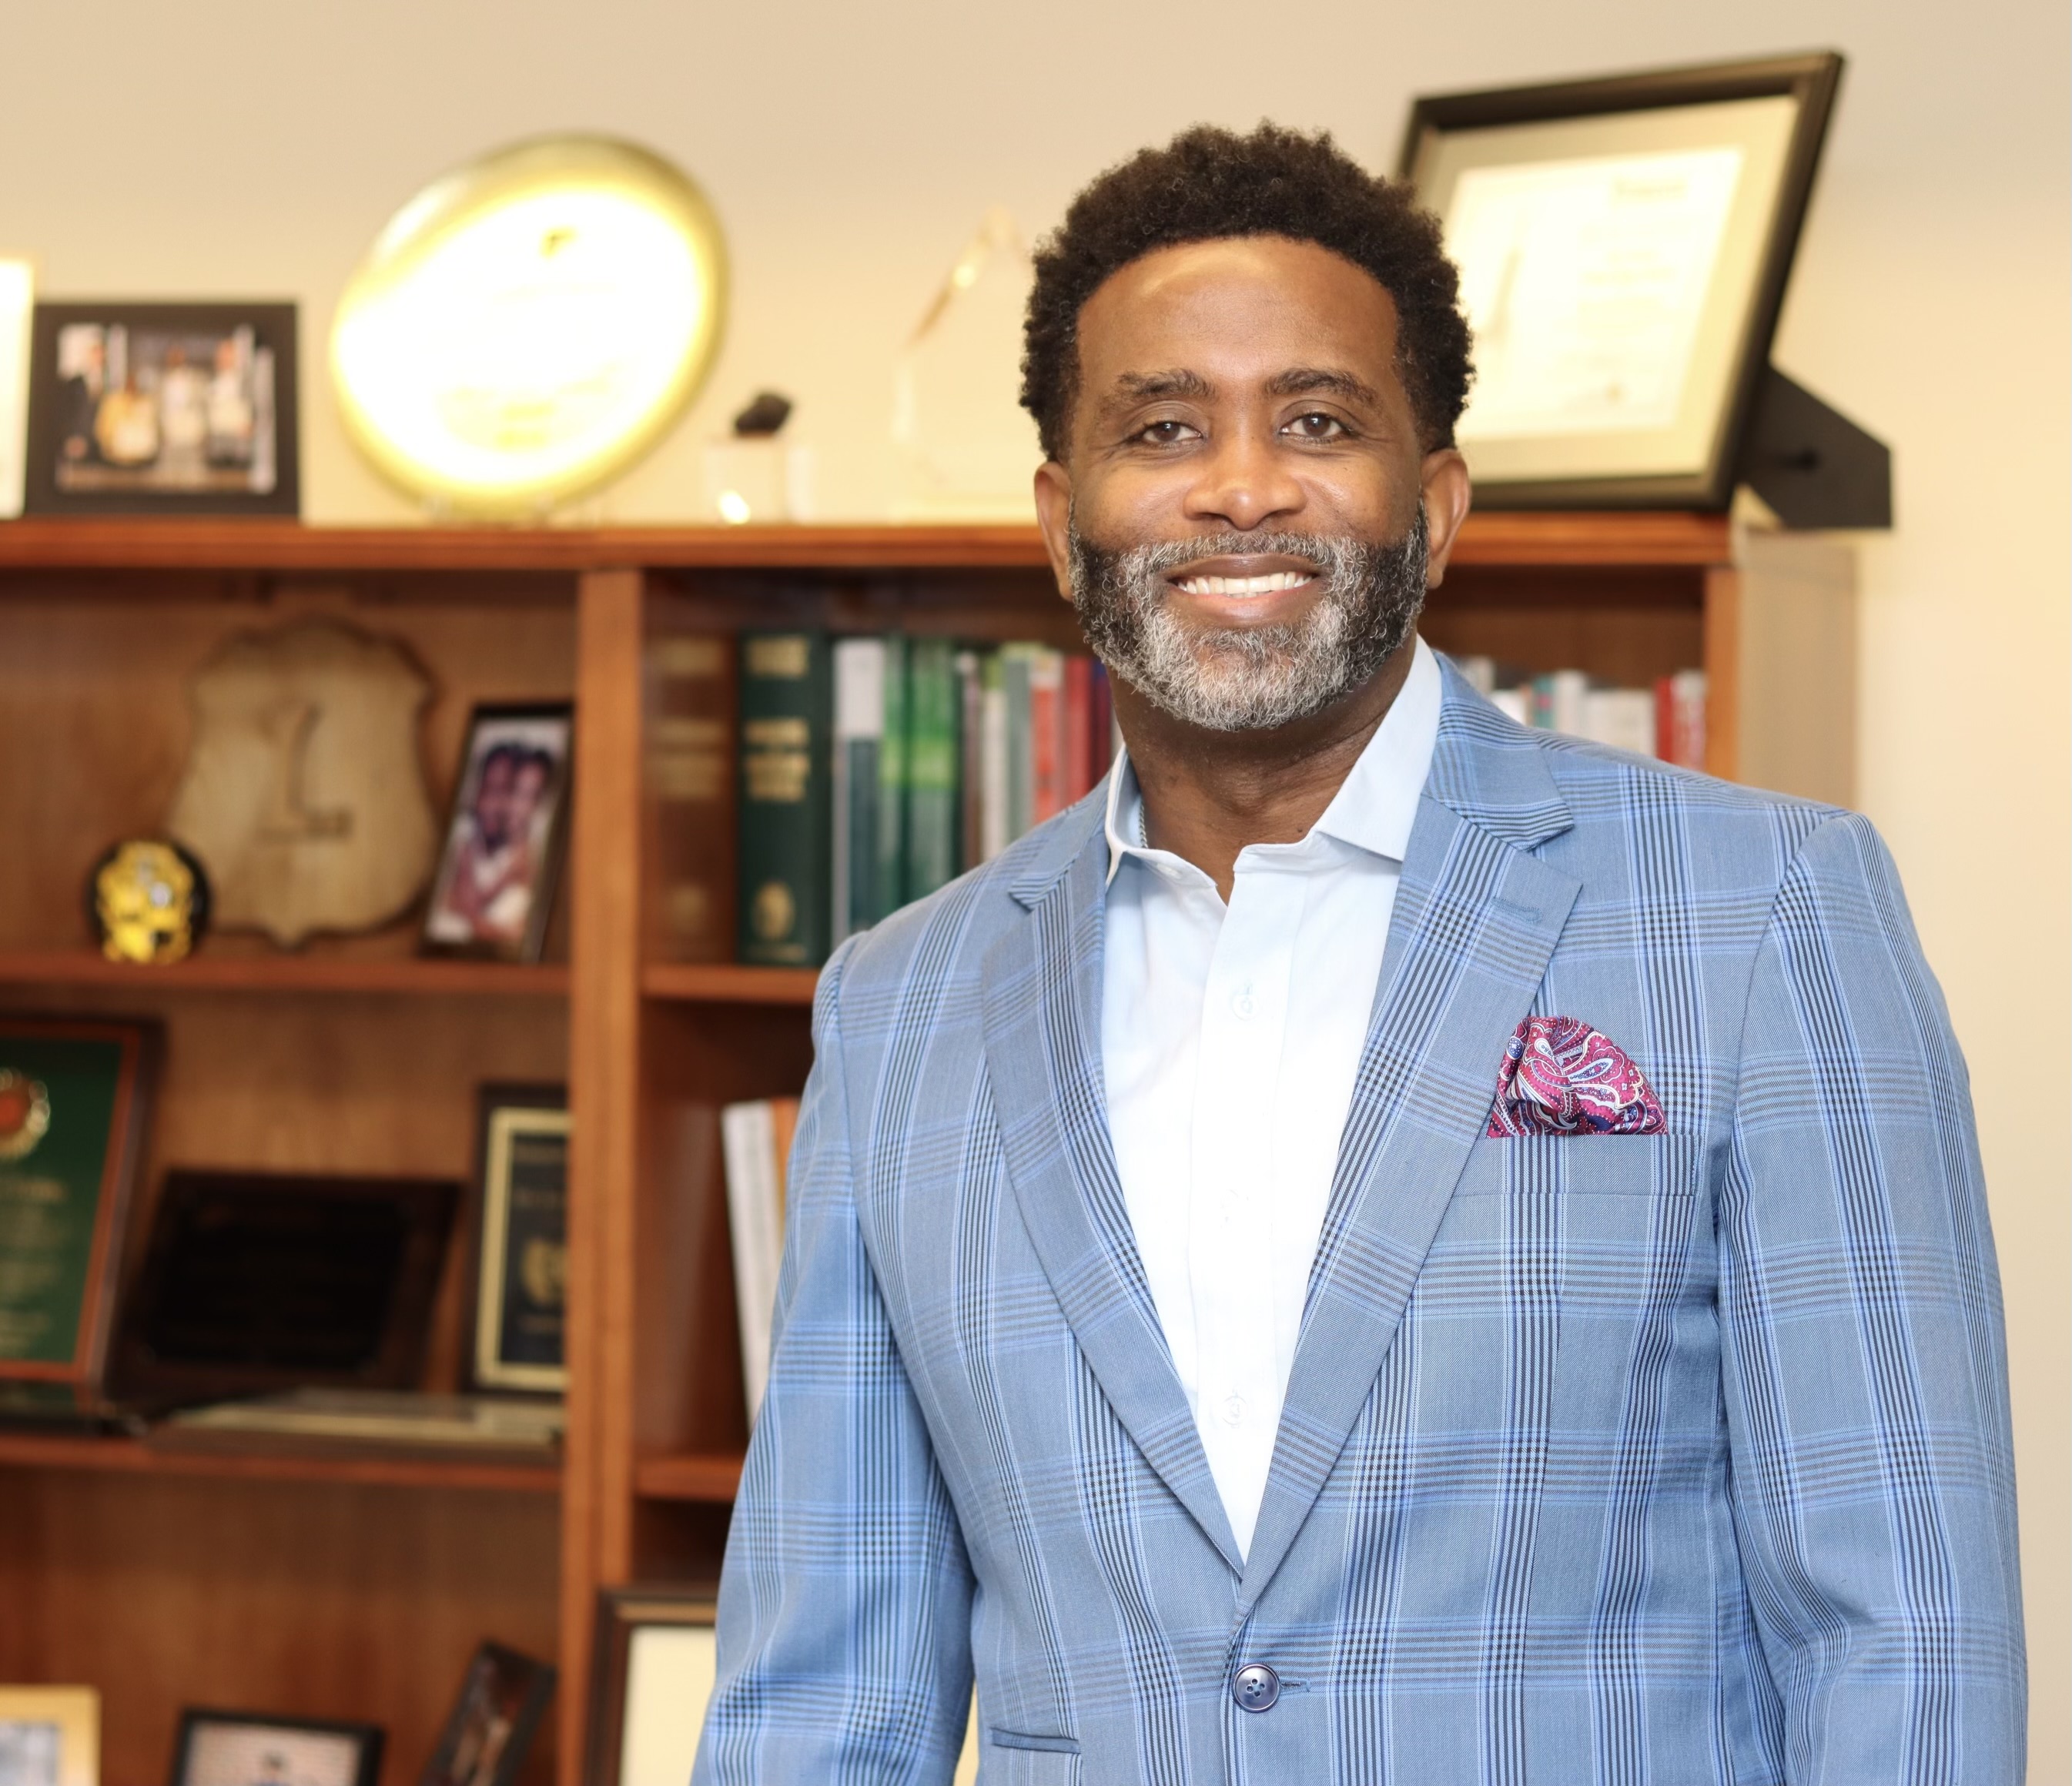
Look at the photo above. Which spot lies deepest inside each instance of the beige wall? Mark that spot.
(254, 148)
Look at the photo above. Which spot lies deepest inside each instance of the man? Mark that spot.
(1380, 1247)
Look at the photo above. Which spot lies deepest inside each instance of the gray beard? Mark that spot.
(1250, 679)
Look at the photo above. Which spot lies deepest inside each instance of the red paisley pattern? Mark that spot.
(1561, 1076)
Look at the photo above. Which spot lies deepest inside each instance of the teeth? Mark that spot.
(1245, 585)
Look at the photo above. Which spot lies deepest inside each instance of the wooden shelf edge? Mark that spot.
(1501, 537)
(723, 983)
(692, 1477)
(340, 974)
(139, 1457)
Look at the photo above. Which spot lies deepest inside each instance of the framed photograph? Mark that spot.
(254, 1283)
(501, 1703)
(75, 1093)
(521, 1227)
(654, 1658)
(50, 1736)
(1623, 246)
(17, 301)
(235, 1748)
(162, 410)
(494, 890)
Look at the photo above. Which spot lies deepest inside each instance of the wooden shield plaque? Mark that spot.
(304, 795)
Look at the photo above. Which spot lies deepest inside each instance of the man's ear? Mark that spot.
(1448, 492)
(1054, 515)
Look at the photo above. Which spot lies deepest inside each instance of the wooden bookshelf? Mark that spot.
(338, 1586)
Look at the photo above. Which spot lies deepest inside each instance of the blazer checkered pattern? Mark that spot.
(1662, 1458)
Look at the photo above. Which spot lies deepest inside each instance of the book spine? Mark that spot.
(748, 1145)
(971, 760)
(1079, 727)
(1015, 666)
(784, 830)
(859, 728)
(689, 900)
(1101, 722)
(891, 853)
(996, 757)
(1047, 734)
(1679, 719)
(931, 766)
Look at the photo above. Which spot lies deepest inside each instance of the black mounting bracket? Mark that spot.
(1813, 466)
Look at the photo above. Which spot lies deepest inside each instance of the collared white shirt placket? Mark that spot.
(1231, 1038)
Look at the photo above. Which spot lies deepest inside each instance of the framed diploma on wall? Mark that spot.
(1623, 246)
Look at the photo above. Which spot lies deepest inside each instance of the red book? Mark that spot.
(1079, 727)
(1047, 734)
(1679, 719)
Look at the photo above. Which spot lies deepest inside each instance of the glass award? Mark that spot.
(967, 450)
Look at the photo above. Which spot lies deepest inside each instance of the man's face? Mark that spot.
(493, 802)
(1244, 517)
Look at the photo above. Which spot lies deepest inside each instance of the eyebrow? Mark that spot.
(1140, 387)
(1301, 381)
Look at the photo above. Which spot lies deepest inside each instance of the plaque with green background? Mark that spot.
(521, 1241)
(72, 1097)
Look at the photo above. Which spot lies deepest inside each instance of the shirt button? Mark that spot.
(1233, 1411)
(1254, 1687)
(1242, 1005)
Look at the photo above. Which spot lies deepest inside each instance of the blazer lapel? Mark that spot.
(1043, 1007)
(1476, 919)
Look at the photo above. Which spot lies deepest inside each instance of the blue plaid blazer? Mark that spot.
(1663, 1459)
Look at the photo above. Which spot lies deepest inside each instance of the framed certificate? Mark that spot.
(1623, 246)
(73, 1097)
(521, 1241)
(50, 1736)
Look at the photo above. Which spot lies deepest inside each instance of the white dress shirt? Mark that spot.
(1231, 1037)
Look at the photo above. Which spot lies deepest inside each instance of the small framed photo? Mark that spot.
(494, 890)
(50, 1736)
(501, 1702)
(655, 1657)
(162, 410)
(1623, 245)
(521, 1227)
(235, 1748)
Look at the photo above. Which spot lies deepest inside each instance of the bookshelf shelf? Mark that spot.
(721, 983)
(21, 1450)
(716, 1476)
(347, 974)
(357, 1055)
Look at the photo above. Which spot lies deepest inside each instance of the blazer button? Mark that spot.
(1256, 1687)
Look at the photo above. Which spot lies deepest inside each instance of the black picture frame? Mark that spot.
(502, 1688)
(502, 1112)
(464, 921)
(621, 1613)
(198, 1326)
(194, 1766)
(1809, 80)
(80, 479)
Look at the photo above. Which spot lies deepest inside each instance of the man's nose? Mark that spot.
(1244, 482)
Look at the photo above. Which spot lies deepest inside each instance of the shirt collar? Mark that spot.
(1376, 804)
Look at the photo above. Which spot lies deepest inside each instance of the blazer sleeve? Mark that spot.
(844, 1599)
(1864, 1357)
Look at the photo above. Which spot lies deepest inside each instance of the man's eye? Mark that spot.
(1317, 426)
(1164, 434)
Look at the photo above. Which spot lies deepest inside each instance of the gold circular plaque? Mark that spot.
(149, 900)
(529, 325)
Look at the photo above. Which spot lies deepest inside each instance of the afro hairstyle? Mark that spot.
(1210, 183)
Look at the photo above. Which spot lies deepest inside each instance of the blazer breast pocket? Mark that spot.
(1585, 1165)
(1013, 1759)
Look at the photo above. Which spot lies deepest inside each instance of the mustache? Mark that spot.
(1329, 554)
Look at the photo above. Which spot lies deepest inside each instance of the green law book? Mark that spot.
(784, 826)
(892, 785)
(933, 698)
(859, 742)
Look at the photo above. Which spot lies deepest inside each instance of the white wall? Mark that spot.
(250, 147)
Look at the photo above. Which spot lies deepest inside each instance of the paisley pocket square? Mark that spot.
(1561, 1076)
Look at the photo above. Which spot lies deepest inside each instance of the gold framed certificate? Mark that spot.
(521, 1241)
(1623, 246)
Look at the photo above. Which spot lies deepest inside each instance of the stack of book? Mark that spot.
(755, 1141)
(874, 769)
(1667, 720)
